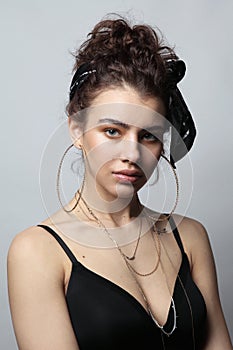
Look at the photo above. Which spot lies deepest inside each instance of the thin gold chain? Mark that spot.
(58, 184)
(191, 311)
(149, 309)
(83, 211)
(101, 225)
(186, 296)
(132, 270)
(177, 191)
(157, 261)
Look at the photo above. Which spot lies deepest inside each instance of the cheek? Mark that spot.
(98, 154)
(150, 158)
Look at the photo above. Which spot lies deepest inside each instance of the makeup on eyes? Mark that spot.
(155, 132)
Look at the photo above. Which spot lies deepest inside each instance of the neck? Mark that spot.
(115, 212)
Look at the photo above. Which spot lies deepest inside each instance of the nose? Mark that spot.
(130, 151)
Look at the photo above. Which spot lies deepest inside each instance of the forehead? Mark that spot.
(128, 95)
(129, 114)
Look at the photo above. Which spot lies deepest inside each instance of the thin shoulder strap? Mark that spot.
(61, 242)
(176, 234)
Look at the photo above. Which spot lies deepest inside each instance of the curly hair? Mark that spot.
(121, 54)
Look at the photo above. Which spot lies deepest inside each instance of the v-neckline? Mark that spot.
(127, 294)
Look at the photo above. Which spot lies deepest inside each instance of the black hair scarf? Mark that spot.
(183, 130)
(183, 127)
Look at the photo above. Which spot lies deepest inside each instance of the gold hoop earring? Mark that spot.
(58, 183)
(177, 187)
(167, 216)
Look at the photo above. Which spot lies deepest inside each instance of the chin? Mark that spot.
(125, 190)
(116, 192)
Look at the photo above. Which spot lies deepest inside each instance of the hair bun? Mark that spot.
(175, 71)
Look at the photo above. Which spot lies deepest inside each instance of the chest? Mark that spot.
(105, 315)
(149, 279)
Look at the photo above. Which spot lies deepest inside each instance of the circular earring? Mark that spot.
(167, 216)
(58, 182)
(177, 185)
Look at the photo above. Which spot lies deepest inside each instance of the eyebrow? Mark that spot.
(113, 121)
(126, 126)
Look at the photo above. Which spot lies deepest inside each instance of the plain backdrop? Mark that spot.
(36, 38)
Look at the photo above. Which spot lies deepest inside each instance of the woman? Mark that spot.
(105, 272)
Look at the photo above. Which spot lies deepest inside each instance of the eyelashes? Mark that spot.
(143, 136)
(112, 132)
(150, 137)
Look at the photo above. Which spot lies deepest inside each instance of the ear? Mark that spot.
(75, 132)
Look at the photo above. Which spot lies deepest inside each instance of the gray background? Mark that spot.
(36, 37)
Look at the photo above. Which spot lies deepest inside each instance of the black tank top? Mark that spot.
(104, 316)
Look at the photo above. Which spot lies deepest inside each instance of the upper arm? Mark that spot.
(36, 294)
(203, 271)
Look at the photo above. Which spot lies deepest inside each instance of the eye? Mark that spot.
(112, 132)
(150, 137)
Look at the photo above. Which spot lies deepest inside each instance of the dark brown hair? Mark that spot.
(121, 54)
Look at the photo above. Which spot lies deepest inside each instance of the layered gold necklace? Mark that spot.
(133, 271)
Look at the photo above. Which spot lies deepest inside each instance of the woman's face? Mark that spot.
(121, 140)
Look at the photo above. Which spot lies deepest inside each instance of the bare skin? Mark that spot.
(39, 270)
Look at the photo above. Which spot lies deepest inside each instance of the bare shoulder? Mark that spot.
(189, 226)
(36, 277)
(30, 241)
(194, 236)
(34, 246)
(197, 245)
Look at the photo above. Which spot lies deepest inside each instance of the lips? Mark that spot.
(127, 175)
